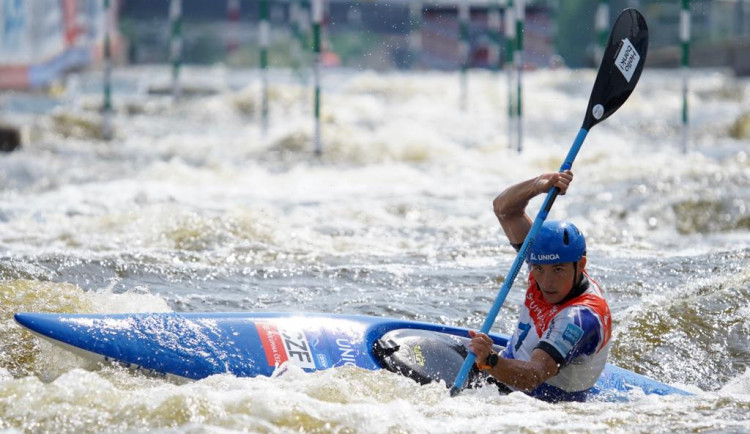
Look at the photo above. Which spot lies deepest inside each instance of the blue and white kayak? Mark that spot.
(197, 345)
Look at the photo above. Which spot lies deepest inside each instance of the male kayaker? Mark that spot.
(561, 344)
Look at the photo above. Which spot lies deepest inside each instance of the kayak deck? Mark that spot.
(197, 345)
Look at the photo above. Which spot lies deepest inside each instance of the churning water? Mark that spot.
(191, 208)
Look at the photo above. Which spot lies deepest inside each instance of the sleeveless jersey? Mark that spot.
(575, 333)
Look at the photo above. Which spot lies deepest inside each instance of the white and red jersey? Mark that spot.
(575, 333)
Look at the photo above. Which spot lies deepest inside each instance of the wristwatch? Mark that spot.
(492, 359)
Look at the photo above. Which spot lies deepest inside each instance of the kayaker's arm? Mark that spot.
(510, 205)
(519, 374)
(525, 375)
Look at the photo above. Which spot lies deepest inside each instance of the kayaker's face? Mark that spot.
(556, 280)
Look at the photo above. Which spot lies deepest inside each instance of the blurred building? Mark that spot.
(362, 33)
(42, 39)
(378, 34)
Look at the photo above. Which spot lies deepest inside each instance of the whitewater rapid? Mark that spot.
(192, 208)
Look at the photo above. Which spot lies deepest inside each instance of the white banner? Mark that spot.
(30, 31)
(46, 29)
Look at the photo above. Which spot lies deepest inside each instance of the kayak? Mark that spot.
(198, 345)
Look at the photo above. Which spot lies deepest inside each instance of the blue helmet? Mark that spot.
(557, 242)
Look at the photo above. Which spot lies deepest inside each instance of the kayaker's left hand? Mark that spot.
(481, 346)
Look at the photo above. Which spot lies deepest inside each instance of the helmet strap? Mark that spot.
(580, 284)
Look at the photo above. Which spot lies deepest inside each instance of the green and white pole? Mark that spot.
(494, 24)
(175, 45)
(107, 79)
(317, 15)
(510, 43)
(415, 31)
(601, 25)
(264, 35)
(518, 58)
(300, 17)
(685, 42)
(294, 22)
(463, 18)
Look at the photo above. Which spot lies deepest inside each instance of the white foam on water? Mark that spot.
(395, 218)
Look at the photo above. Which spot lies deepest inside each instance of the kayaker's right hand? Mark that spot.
(561, 180)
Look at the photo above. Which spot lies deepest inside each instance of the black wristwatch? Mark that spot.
(492, 360)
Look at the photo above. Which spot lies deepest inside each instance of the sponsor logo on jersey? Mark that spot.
(572, 334)
(281, 345)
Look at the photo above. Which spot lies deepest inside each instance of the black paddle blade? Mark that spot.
(621, 67)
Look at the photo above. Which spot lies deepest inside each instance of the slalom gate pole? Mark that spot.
(233, 23)
(415, 31)
(685, 69)
(510, 36)
(494, 23)
(175, 45)
(107, 79)
(518, 58)
(264, 34)
(463, 18)
(317, 15)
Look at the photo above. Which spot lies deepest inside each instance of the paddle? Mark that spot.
(618, 74)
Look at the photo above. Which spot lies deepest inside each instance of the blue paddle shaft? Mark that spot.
(518, 263)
